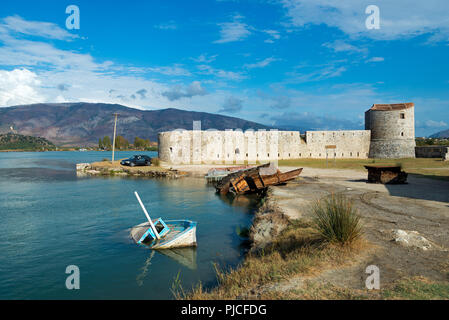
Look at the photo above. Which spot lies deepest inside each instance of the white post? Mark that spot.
(113, 139)
(148, 216)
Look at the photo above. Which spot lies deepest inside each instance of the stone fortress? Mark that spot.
(389, 134)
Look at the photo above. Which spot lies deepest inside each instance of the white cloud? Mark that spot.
(204, 58)
(435, 124)
(398, 19)
(232, 105)
(376, 59)
(18, 52)
(274, 35)
(179, 92)
(260, 64)
(282, 102)
(36, 28)
(343, 46)
(229, 75)
(170, 25)
(175, 70)
(19, 86)
(313, 73)
(233, 31)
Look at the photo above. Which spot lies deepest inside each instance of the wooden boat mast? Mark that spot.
(148, 216)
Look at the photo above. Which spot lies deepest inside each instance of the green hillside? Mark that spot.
(12, 141)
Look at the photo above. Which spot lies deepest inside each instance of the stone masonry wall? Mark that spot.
(392, 133)
(432, 152)
(228, 147)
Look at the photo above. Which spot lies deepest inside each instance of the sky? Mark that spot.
(303, 64)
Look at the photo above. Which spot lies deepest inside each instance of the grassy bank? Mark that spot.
(427, 167)
(302, 249)
(299, 251)
(300, 255)
(304, 261)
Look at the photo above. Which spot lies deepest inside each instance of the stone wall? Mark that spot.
(432, 152)
(236, 146)
(348, 144)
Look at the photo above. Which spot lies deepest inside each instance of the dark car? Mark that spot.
(137, 160)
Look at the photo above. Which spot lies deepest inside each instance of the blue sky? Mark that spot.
(305, 64)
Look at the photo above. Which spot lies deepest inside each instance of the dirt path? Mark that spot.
(422, 205)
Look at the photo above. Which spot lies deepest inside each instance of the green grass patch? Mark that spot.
(417, 288)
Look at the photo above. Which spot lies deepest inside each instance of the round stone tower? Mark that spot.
(392, 130)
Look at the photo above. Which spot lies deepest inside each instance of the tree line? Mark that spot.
(431, 142)
(121, 143)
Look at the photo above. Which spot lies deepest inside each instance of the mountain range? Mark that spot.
(441, 134)
(82, 124)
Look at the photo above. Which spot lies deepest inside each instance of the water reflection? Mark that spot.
(244, 201)
(184, 256)
(37, 174)
(141, 277)
(51, 163)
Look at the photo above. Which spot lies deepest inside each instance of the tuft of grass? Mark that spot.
(336, 220)
(176, 287)
(155, 162)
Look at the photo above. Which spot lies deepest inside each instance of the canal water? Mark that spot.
(50, 219)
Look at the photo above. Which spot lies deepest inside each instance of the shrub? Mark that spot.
(156, 162)
(336, 220)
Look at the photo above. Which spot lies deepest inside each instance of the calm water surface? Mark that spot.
(50, 218)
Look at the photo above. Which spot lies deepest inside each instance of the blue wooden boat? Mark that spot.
(173, 234)
(159, 234)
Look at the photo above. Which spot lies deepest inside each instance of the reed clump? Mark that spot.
(336, 220)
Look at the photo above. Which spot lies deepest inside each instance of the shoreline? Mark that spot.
(106, 168)
(284, 263)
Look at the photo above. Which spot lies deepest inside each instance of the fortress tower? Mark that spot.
(392, 130)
